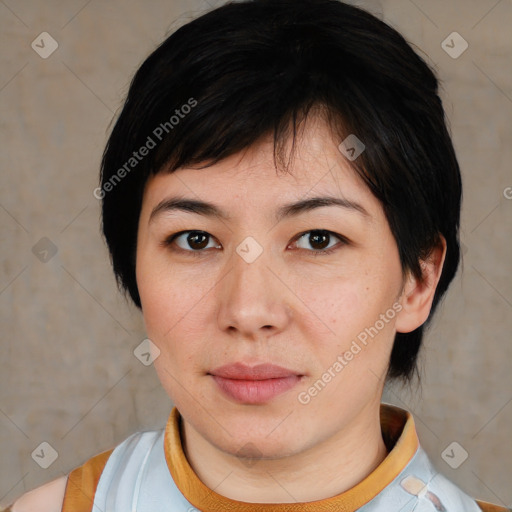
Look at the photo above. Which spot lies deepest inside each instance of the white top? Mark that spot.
(136, 478)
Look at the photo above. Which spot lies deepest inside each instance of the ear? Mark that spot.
(418, 294)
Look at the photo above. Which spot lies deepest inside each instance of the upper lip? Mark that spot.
(241, 371)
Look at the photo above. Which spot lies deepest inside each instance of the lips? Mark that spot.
(240, 371)
(254, 385)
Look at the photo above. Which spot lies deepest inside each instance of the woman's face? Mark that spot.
(313, 290)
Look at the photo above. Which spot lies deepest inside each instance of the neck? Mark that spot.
(358, 448)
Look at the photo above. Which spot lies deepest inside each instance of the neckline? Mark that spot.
(399, 434)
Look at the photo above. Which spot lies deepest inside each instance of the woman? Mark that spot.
(273, 205)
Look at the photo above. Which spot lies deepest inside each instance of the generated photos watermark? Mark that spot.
(304, 397)
(137, 156)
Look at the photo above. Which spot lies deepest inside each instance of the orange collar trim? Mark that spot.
(398, 430)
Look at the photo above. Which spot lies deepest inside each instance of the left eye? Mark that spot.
(319, 239)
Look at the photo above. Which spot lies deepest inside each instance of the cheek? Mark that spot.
(340, 309)
(340, 305)
(175, 316)
(169, 298)
(351, 308)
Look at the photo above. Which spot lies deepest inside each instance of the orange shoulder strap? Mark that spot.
(489, 507)
(82, 483)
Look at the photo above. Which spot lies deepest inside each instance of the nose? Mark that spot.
(253, 301)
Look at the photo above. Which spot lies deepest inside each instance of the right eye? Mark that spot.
(192, 241)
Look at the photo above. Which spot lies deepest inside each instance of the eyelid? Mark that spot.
(169, 240)
(330, 233)
(323, 252)
(344, 241)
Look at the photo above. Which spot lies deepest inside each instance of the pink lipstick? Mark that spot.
(254, 385)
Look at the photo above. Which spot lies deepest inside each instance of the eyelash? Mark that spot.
(323, 252)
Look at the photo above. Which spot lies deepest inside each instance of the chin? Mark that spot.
(253, 440)
(251, 450)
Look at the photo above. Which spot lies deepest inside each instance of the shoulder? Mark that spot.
(75, 492)
(457, 499)
(420, 478)
(46, 498)
(69, 492)
(489, 507)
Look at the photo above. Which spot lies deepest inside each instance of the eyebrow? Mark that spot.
(207, 209)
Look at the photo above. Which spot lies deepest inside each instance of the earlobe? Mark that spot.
(418, 294)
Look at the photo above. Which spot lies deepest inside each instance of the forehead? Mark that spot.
(249, 178)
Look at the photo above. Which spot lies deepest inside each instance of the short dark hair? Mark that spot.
(249, 69)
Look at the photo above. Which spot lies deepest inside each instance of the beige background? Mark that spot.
(69, 376)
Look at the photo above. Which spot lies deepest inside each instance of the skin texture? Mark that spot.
(288, 307)
(46, 498)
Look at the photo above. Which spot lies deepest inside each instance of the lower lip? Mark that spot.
(255, 391)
